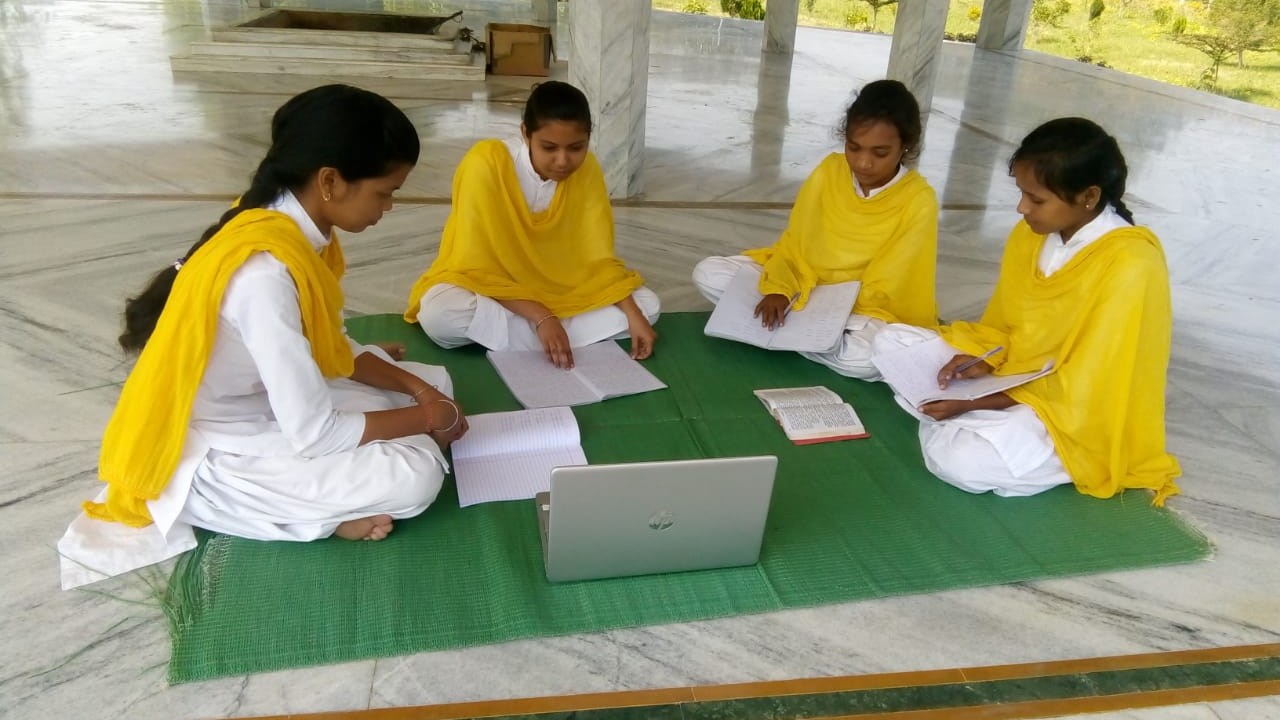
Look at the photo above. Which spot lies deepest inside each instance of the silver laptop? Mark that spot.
(603, 521)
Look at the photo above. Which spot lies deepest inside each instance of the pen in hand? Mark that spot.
(790, 305)
(955, 372)
(966, 365)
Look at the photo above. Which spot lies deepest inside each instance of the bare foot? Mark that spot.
(375, 527)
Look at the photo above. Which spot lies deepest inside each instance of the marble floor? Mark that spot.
(110, 165)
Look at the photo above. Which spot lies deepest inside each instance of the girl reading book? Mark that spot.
(1082, 286)
(249, 411)
(861, 215)
(526, 261)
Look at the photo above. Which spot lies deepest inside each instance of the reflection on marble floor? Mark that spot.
(91, 115)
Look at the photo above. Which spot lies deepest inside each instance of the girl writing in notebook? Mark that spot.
(249, 411)
(1082, 286)
(861, 215)
(526, 261)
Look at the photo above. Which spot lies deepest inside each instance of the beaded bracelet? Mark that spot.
(543, 319)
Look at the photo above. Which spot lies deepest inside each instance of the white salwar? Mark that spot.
(273, 448)
(852, 357)
(453, 316)
(1008, 452)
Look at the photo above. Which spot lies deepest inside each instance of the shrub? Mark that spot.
(695, 7)
(857, 19)
(1163, 14)
(1050, 12)
(974, 13)
(746, 9)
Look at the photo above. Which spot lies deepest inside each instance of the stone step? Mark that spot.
(285, 36)
(416, 56)
(326, 67)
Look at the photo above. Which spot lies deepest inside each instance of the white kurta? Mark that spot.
(852, 357)
(454, 316)
(1008, 452)
(272, 451)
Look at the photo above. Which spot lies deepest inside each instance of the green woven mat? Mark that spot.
(849, 520)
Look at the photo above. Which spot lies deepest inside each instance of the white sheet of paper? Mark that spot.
(816, 328)
(537, 383)
(611, 372)
(509, 455)
(510, 477)
(912, 372)
(601, 370)
(798, 397)
(811, 418)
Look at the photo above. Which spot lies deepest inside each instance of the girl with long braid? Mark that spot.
(1080, 285)
(249, 411)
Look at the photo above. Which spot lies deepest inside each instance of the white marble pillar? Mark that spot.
(771, 119)
(917, 47)
(609, 61)
(780, 20)
(1004, 24)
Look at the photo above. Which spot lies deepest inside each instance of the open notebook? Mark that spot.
(912, 372)
(600, 371)
(509, 455)
(816, 328)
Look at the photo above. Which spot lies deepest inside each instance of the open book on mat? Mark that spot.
(600, 371)
(509, 455)
(912, 372)
(816, 328)
(812, 414)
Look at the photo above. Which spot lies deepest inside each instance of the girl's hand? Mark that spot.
(943, 409)
(555, 341)
(952, 371)
(643, 336)
(772, 310)
(445, 421)
(394, 349)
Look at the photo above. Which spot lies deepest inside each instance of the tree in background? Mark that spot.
(1082, 41)
(1233, 27)
(1047, 14)
(875, 9)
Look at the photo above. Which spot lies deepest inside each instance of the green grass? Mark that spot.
(1126, 38)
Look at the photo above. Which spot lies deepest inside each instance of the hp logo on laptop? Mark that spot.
(662, 520)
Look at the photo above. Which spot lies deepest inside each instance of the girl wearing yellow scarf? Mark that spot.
(1079, 285)
(526, 261)
(249, 411)
(859, 216)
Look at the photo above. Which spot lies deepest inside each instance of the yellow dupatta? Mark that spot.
(144, 439)
(1105, 319)
(889, 242)
(494, 246)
